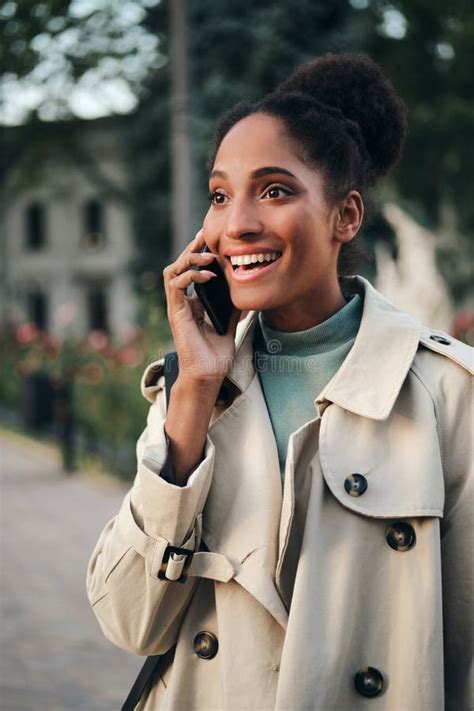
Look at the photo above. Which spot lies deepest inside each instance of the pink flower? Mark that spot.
(463, 327)
(129, 355)
(133, 333)
(463, 321)
(98, 340)
(27, 333)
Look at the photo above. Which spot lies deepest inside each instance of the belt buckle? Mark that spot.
(169, 550)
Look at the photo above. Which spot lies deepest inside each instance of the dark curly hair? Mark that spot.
(347, 119)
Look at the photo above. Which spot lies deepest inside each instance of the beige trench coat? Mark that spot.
(397, 412)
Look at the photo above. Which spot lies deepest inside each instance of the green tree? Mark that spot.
(242, 49)
(427, 53)
(52, 51)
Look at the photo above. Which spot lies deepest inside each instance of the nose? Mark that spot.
(242, 220)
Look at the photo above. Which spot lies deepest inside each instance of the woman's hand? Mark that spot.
(204, 355)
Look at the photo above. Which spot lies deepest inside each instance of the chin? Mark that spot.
(253, 301)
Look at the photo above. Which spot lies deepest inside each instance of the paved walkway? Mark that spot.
(53, 655)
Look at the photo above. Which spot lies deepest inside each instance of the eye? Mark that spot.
(215, 196)
(276, 191)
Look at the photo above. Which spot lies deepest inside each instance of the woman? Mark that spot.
(314, 459)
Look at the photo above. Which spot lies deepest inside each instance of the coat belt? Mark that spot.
(172, 563)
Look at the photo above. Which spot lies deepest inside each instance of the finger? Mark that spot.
(199, 235)
(192, 259)
(194, 245)
(179, 284)
(184, 263)
(197, 242)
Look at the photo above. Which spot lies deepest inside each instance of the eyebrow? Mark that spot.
(260, 172)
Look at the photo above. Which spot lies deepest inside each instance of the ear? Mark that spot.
(349, 214)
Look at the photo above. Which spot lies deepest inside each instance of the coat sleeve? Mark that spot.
(138, 611)
(166, 470)
(454, 415)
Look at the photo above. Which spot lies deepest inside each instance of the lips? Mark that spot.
(251, 272)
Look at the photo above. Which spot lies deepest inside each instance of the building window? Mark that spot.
(94, 224)
(97, 308)
(37, 306)
(35, 227)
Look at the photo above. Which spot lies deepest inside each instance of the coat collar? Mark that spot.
(370, 378)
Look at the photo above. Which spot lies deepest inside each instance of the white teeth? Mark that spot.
(253, 258)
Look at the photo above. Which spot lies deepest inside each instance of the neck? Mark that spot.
(307, 312)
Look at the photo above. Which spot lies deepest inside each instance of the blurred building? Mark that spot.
(66, 228)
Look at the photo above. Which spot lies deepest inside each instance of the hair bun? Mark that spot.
(355, 85)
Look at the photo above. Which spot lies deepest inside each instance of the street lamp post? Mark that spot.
(180, 141)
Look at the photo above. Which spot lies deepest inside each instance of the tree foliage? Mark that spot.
(430, 65)
(57, 51)
(242, 49)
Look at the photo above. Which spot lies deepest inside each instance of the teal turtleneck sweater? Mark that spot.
(294, 367)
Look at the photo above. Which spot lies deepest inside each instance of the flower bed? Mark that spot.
(98, 383)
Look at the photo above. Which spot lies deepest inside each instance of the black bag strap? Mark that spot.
(146, 674)
(142, 682)
(171, 372)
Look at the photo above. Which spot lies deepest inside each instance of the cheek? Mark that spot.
(309, 246)
(301, 236)
(211, 232)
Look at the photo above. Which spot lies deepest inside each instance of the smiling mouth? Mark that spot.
(253, 262)
(248, 273)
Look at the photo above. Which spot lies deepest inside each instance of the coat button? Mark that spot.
(400, 536)
(440, 339)
(355, 484)
(368, 681)
(205, 645)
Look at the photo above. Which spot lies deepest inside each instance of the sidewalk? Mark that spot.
(53, 654)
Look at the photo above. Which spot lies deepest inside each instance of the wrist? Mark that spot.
(198, 385)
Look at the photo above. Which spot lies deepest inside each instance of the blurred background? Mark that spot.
(107, 113)
(107, 109)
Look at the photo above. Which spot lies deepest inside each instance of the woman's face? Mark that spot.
(266, 201)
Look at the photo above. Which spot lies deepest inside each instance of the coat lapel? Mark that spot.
(243, 507)
(370, 378)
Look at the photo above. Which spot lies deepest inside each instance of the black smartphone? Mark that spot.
(215, 296)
